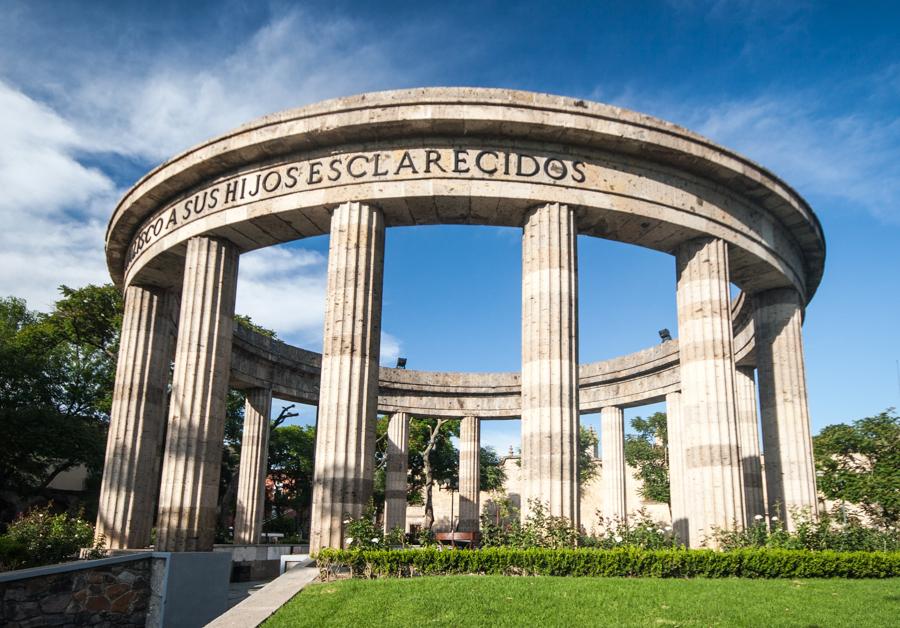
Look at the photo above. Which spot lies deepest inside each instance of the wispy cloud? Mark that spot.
(841, 158)
(157, 111)
(69, 123)
(283, 288)
(52, 207)
(390, 349)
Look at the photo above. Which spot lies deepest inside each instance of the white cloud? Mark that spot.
(159, 110)
(834, 157)
(283, 288)
(390, 349)
(99, 104)
(51, 208)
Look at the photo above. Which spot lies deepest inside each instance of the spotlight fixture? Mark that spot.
(664, 335)
(401, 363)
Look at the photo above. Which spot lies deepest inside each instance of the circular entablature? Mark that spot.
(467, 156)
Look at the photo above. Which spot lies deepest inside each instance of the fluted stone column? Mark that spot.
(612, 438)
(678, 495)
(790, 469)
(348, 397)
(396, 472)
(192, 461)
(708, 404)
(550, 361)
(748, 437)
(469, 474)
(138, 418)
(251, 495)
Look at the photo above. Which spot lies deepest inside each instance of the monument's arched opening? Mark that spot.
(553, 167)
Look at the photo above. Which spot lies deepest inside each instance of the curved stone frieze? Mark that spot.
(635, 379)
(472, 156)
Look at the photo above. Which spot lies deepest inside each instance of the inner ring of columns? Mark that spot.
(554, 166)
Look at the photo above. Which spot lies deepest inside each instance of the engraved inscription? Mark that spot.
(357, 167)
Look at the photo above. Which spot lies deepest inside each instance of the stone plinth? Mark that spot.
(469, 474)
(138, 418)
(345, 440)
(748, 436)
(612, 440)
(790, 469)
(550, 360)
(248, 517)
(708, 410)
(396, 472)
(191, 466)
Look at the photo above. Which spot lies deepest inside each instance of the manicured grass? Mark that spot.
(548, 601)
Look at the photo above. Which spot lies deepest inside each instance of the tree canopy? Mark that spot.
(57, 371)
(588, 465)
(860, 463)
(433, 436)
(647, 452)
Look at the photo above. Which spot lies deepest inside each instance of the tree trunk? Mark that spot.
(228, 498)
(429, 473)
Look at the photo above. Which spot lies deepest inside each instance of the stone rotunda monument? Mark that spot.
(555, 167)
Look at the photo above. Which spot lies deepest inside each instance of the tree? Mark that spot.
(588, 465)
(430, 440)
(436, 456)
(57, 371)
(492, 477)
(860, 463)
(291, 463)
(647, 452)
(234, 427)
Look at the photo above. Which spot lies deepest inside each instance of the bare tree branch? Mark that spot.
(284, 415)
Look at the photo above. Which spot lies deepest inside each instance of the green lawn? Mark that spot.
(546, 601)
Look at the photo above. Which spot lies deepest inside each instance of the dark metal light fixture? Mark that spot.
(401, 363)
(664, 335)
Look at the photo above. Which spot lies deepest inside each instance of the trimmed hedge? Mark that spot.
(625, 562)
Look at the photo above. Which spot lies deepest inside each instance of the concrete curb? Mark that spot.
(261, 605)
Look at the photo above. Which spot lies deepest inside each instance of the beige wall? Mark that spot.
(590, 500)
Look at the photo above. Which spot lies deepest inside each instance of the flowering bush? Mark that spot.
(641, 532)
(362, 533)
(43, 538)
(828, 532)
(539, 529)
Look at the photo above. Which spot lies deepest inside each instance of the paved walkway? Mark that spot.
(240, 591)
(260, 602)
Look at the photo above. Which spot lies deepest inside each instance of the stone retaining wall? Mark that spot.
(113, 592)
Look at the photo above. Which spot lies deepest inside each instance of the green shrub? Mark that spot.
(13, 553)
(539, 529)
(828, 532)
(362, 533)
(49, 538)
(639, 531)
(623, 562)
(426, 538)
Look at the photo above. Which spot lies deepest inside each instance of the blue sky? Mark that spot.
(92, 95)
